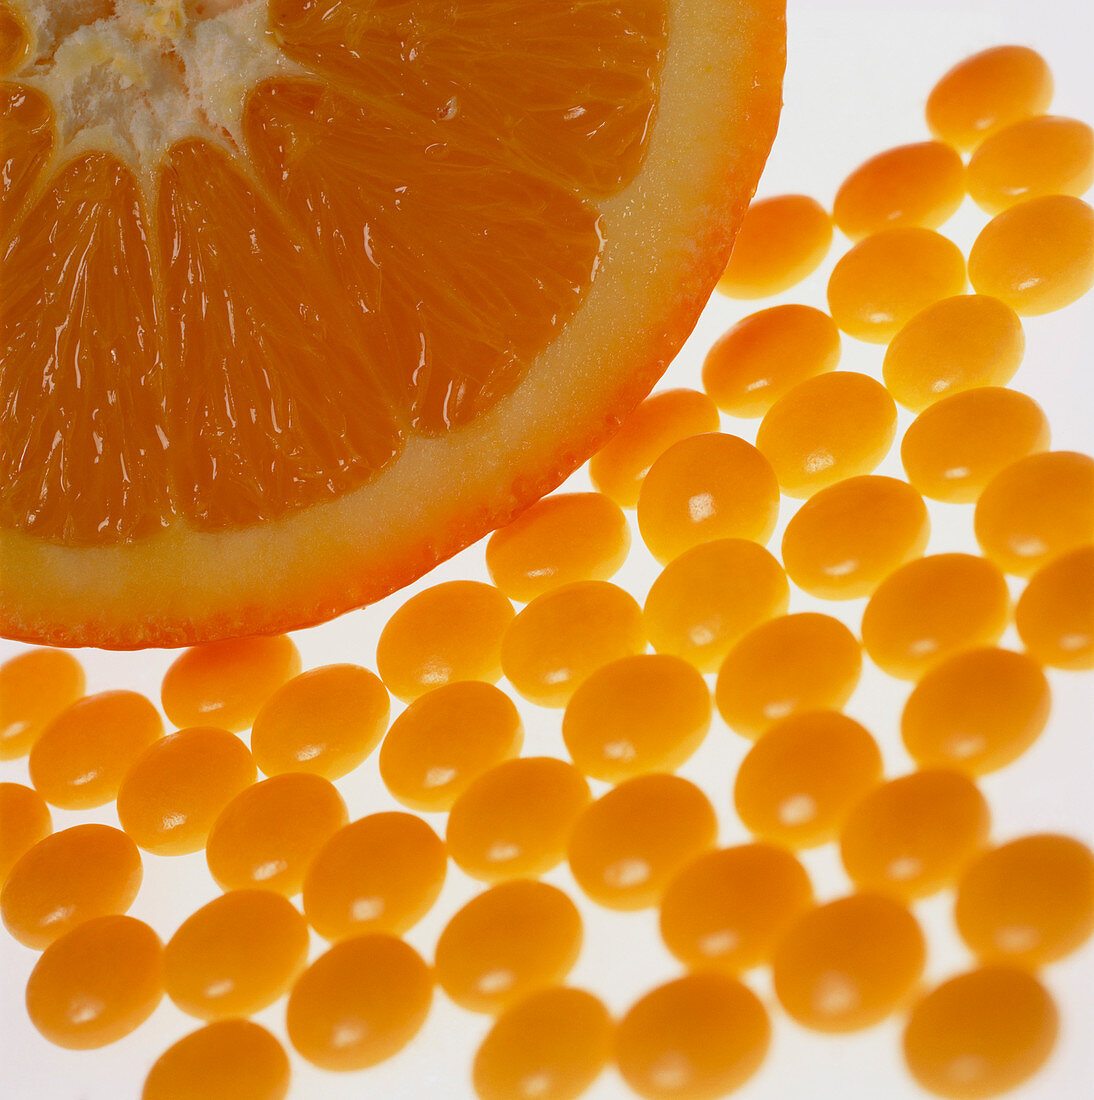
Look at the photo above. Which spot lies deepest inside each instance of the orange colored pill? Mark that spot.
(562, 637)
(766, 354)
(920, 184)
(886, 279)
(235, 955)
(360, 1003)
(326, 720)
(516, 819)
(708, 487)
(1055, 613)
(552, 1045)
(848, 964)
(175, 789)
(443, 740)
(828, 428)
(24, 820)
(269, 833)
(225, 683)
(1028, 902)
(799, 781)
(620, 466)
(67, 878)
(225, 1060)
(780, 241)
(847, 538)
(981, 1033)
(977, 710)
(786, 666)
(560, 539)
(695, 1038)
(987, 91)
(955, 447)
(1048, 155)
(35, 687)
(710, 596)
(82, 756)
(507, 942)
(381, 873)
(914, 835)
(97, 983)
(932, 608)
(644, 713)
(1035, 509)
(446, 633)
(727, 909)
(1037, 256)
(957, 344)
(626, 845)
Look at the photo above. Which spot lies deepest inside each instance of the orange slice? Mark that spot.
(300, 297)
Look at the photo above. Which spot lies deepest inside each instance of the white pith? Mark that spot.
(132, 77)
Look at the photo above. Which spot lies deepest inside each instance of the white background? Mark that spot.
(858, 73)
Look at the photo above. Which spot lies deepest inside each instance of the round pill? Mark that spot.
(1055, 613)
(35, 687)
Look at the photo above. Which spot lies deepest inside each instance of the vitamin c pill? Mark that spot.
(443, 740)
(175, 789)
(976, 711)
(955, 447)
(799, 781)
(449, 632)
(1037, 156)
(620, 466)
(515, 938)
(886, 279)
(766, 354)
(921, 184)
(1028, 902)
(726, 909)
(269, 833)
(381, 873)
(780, 241)
(81, 757)
(956, 344)
(360, 1003)
(986, 92)
(35, 687)
(69, 877)
(695, 1038)
(326, 720)
(626, 846)
(1036, 509)
(1037, 256)
(560, 539)
(848, 964)
(930, 609)
(708, 487)
(236, 955)
(644, 713)
(516, 819)
(24, 820)
(786, 666)
(847, 538)
(707, 598)
(981, 1033)
(913, 835)
(225, 1060)
(1055, 613)
(224, 684)
(97, 983)
(828, 428)
(565, 635)
(552, 1045)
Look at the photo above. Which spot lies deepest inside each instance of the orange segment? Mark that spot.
(14, 41)
(26, 141)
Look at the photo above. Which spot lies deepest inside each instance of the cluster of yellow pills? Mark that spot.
(633, 688)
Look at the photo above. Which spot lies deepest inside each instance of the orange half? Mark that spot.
(300, 297)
